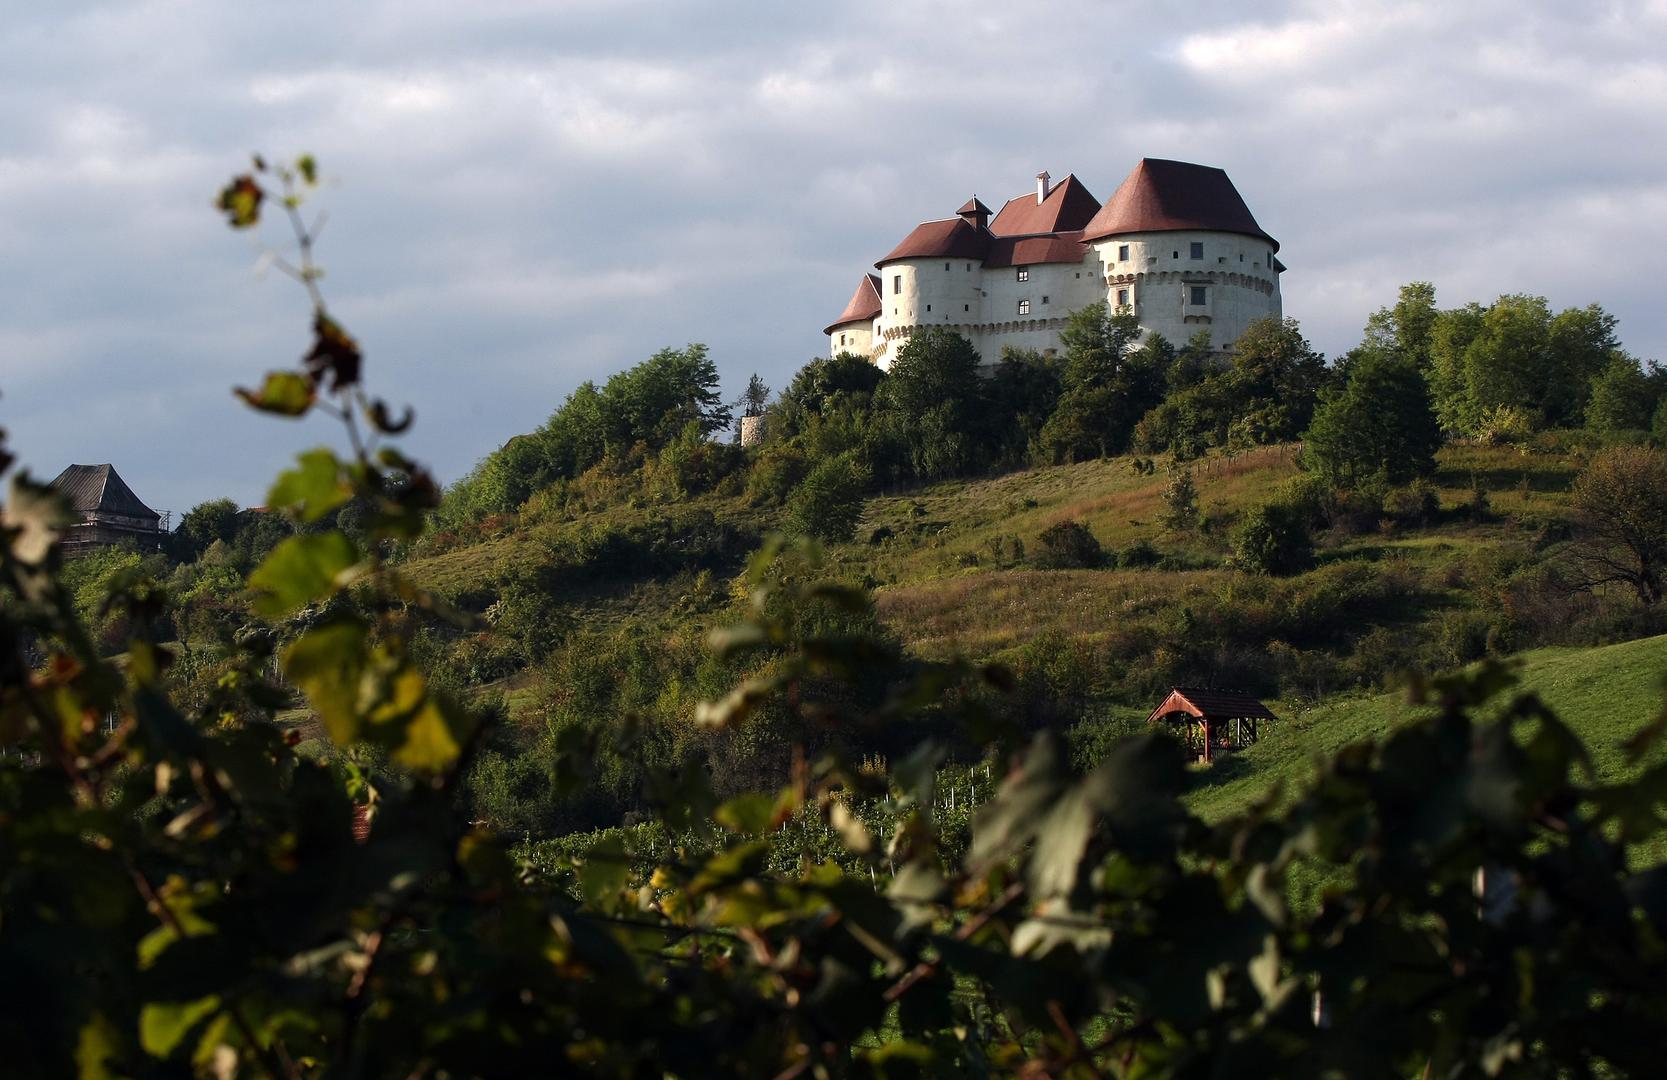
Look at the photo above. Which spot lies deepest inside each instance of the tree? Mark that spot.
(1620, 503)
(1273, 382)
(1407, 329)
(203, 524)
(1108, 383)
(1379, 424)
(652, 402)
(936, 405)
(828, 501)
(1273, 539)
(1624, 396)
(1515, 354)
(1023, 391)
(1180, 501)
(753, 398)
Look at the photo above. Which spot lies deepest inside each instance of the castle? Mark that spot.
(1175, 244)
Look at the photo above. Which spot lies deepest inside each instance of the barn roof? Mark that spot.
(1168, 196)
(100, 489)
(1212, 705)
(864, 305)
(1068, 207)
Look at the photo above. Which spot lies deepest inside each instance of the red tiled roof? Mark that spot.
(864, 305)
(950, 238)
(1214, 704)
(1068, 207)
(974, 206)
(1031, 250)
(1167, 196)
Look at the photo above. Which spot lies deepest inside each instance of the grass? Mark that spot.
(1605, 694)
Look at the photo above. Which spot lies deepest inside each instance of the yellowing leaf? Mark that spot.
(285, 393)
(302, 569)
(240, 201)
(326, 663)
(312, 489)
(432, 737)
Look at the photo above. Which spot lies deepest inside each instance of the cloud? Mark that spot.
(525, 195)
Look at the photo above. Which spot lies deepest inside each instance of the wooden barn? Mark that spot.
(110, 513)
(1211, 722)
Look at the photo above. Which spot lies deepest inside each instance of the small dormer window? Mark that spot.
(1024, 307)
(1024, 273)
(1196, 250)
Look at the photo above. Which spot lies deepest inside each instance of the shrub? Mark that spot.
(1067, 545)
(1415, 504)
(1180, 502)
(827, 503)
(1273, 539)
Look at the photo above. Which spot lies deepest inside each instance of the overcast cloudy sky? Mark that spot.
(533, 194)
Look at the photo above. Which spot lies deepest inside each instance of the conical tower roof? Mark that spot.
(1171, 196)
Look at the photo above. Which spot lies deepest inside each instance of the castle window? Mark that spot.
(966, 307)
(1200, 295)
(946, 266)
(1197, 249)
(1044, 299)
(1122, 253)
(928, 307)
(842, 339)
(896, 284)
(1024, 307)
(1270, 260)
(1024, 273)
(969, 266)
(1174, 254)
(1122, 298)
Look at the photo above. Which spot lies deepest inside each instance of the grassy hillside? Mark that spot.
(1604, 693)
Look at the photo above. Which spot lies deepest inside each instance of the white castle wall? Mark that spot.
(1241, 285)
(982, 303)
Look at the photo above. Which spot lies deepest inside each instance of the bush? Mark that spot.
(1067, 546)
(1273, 539)
(827, 503)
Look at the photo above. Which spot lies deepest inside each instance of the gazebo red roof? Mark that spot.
(1211, 705)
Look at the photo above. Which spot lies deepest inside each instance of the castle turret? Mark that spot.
(1177, 245)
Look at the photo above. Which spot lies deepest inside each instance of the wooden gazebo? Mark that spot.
(1212, 722)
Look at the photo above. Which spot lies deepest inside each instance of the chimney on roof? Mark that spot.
(1042, 179)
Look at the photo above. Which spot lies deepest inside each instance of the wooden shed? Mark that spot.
(109, 511)
(1212, 722)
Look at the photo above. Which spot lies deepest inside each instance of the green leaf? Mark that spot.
(284, 393)
(302, 569)
(606, 870)
(163, 1024)
(307, 166)
(751, 814)
(326, 663)
(312, 489)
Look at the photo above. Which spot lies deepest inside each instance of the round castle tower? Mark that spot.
(1177, 244)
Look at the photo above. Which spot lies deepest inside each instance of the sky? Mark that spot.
(522, 196)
